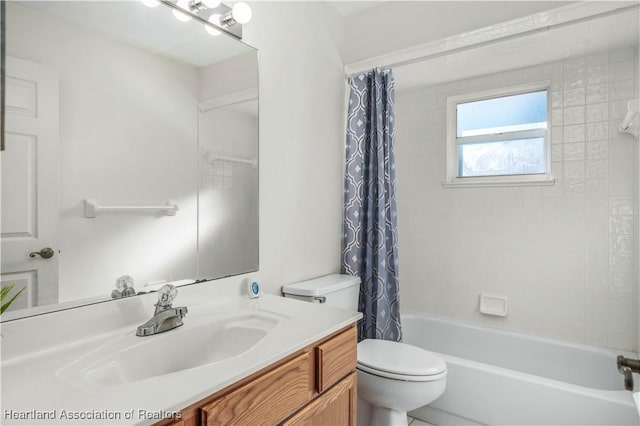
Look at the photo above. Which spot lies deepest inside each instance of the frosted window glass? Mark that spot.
(505, 114)
(513, 157)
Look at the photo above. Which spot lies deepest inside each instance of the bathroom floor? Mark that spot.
(416, 422)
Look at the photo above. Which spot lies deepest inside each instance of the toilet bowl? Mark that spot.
(394, 378)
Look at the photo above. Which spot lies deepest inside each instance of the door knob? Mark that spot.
(45, 253)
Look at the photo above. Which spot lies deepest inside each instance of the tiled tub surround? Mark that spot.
(563, 254)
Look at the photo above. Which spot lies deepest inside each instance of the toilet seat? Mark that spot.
(399, 361)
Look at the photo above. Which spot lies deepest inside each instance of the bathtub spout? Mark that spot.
(633, 364)
(627, 367)
(628, 378)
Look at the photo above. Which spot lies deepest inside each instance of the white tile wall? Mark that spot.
(564, 254)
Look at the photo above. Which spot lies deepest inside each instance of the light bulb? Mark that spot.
(241, 12)
(150, 3)
(212, 4)
(181, 16)
(215, 20)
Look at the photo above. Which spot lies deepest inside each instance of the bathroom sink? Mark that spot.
(197, 343)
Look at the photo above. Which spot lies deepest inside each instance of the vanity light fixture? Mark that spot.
(216, 15)
(196, 6)
(240, 14)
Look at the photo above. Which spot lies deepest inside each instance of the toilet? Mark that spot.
(393, 378)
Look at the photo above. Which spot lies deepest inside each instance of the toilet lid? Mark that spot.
(399, 358)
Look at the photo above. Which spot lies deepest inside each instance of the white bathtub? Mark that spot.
(504, 378)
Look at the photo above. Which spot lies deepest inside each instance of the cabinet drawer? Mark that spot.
(336, 358)
(267, 400)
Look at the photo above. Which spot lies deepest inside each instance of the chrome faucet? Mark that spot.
(165, 317)
(626, 367)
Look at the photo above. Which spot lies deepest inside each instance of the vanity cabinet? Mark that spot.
(336, 406)
(314, 386)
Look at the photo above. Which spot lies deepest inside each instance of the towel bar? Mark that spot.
(91, 208)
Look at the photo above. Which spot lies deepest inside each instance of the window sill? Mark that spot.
(498, 181)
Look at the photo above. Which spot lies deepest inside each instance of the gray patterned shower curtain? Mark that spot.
(370, 228)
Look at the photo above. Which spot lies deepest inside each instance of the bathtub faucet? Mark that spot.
(627, 367)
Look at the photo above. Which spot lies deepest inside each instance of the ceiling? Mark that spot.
(348, 8)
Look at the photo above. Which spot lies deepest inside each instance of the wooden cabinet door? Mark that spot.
(335, 407)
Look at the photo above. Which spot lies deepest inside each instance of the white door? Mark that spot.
(29, 183)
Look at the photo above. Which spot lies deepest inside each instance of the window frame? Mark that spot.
(452, 178)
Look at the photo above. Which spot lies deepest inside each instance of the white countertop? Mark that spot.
(33, 384)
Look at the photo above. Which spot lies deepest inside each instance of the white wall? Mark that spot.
(564, 255)
(229, 77)
(301, 139)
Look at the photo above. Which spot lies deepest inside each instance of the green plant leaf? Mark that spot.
(5, 290)
(4, 293)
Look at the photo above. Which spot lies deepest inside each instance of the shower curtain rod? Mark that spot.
(542, 22)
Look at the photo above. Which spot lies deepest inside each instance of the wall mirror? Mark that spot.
(131, 150)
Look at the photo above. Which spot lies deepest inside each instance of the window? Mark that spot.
(499, 137)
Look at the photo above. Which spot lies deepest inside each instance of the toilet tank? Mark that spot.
(339, 291)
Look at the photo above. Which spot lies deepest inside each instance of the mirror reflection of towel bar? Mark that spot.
(91, 208)
(252, 161)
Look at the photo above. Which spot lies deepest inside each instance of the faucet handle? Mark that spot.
(166, 294)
